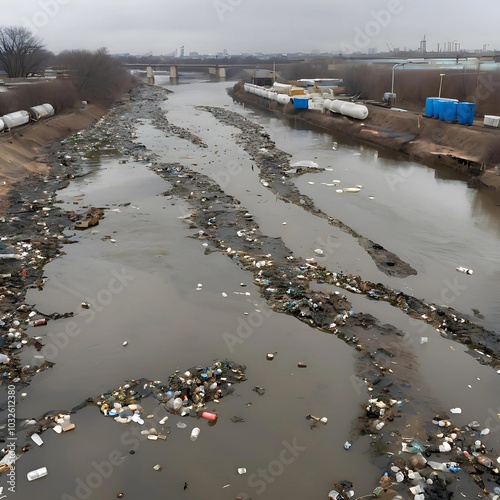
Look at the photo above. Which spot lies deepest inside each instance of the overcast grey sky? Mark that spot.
(210, 26)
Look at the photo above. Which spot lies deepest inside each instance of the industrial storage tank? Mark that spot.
(41, 111)
(246, 87)
(326, 104)
(16, 119)
(282, 87)
(358, 111)
(283, 99)
(335, 105)
(2, 125)
(429, 106)
(466, 112)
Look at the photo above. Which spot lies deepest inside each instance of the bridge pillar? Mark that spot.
(150, 75)
(217, 71)
(174, 75)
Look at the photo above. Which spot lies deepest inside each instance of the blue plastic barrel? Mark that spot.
(448, 111)
(466, 112)
(436, 107)
(429, 106)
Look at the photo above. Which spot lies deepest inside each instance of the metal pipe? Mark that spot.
(440, 83)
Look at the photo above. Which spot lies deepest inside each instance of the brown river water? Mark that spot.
(143, 287)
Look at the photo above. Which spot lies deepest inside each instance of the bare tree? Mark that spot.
(21, 52)
(98, 76)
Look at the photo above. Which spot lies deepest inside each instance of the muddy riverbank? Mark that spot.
(421, 139)
(301, 288)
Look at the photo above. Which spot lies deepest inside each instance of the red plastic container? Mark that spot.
(209, 416)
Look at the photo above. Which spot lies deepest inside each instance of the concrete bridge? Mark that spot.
(214, 69)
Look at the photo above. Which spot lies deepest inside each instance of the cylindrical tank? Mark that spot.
(448, 110)
(465, 113)
(429, 106)
(436, 107)
(246, 87)
(335, 105)
(16, 119)
(282, 87)
(273, 96)
(2, 125)
(49, 108)
(41, 111)
(326, 104)
(283, 99)
(358, 111)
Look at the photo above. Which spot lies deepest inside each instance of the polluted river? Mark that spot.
(207, 261)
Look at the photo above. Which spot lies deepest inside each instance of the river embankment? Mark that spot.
(21, 152)
(470, 149)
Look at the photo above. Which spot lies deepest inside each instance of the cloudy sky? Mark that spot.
(210, 26)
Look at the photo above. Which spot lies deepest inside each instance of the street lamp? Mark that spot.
(440, 83)
(402, 64)
(393, 68)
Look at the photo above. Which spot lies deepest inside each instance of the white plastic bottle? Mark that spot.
(195, 433)
(37, 473)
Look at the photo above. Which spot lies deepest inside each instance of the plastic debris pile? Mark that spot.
(186, 394)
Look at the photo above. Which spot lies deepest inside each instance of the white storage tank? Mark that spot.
(246, 87)
(49, 108)
(336, 105)
(15, 119)
(326, 104)
(2, 125)
(282, 87)
(283, 99)
(41, 111)
(358, 111)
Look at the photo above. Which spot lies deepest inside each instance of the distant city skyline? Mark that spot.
(252, 26)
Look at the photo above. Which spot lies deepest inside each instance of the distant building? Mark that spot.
(372, 50)
(262, 77)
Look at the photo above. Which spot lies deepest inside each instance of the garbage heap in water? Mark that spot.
(185, 394)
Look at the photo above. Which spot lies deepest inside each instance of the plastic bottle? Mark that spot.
(195, 433)
(36, 474)
(464, 270)
(209, 416)
(37, 439)
(38, 322)
(177, 403)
